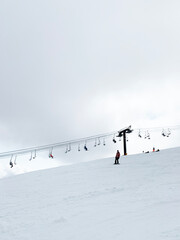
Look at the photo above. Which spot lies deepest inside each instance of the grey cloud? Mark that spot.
(60, 57)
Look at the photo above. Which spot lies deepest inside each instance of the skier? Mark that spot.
(117, 157)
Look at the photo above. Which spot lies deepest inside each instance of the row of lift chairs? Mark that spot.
(164, 133)
(97, 143)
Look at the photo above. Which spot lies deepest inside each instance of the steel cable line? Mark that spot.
(175, 127)
(56, 145)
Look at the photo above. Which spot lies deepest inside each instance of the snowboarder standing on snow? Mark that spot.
(117, 157)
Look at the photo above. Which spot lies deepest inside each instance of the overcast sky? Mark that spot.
(71, 69)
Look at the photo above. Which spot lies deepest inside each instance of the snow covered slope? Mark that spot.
(139, 199)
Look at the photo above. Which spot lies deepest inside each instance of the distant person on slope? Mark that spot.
(117, 157)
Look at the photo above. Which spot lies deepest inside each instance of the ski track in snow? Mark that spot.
(138, 199)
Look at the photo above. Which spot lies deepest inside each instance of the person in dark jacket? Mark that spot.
(11, 164)
(117, 157)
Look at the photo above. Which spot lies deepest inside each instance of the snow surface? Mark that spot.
(138, 199)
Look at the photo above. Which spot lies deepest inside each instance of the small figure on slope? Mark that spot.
(117, 157)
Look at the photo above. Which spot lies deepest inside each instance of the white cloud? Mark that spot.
(72, 69)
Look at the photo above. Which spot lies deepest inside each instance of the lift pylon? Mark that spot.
(123, 133)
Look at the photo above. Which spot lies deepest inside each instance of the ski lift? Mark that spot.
(66, 149)
(11, 163)
(15, 159)
(148, 135)
(85, 148)
(69, 149)
(120, 139)
(34, 154)
(79, 149)
(50, 153)
(127, 139)
(104, 143)
(99, 141)
(95, 144)
(30, 157)
(139, 134)
(145, 136)
(163, 133)
(114, 140)
(168, 132)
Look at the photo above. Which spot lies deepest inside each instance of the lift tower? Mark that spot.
(122, 133)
